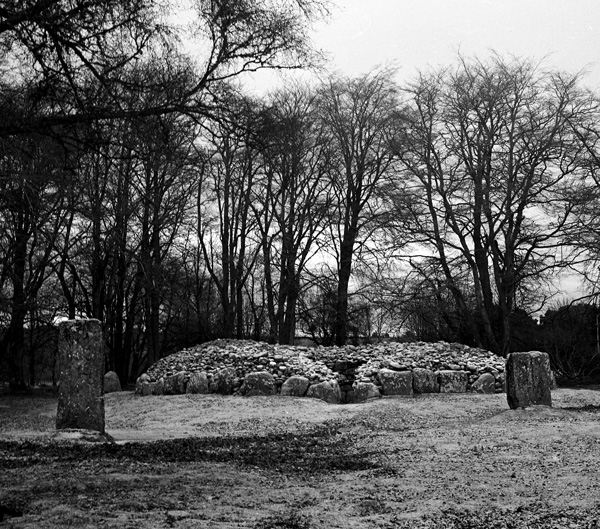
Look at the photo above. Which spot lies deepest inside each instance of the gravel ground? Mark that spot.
(431, 461)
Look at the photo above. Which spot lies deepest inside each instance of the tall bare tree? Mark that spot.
(293, 201)
(489, 162)
(359, 113)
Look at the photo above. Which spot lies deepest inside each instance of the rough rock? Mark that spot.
(111, 382)
(329, 391)
(139, 384)
(453, 381)
(175, 384)
(158, 388)
(425, 381)
(347, 365)
(528, 379)
(258, 383)
(198, 383)
(223, 381)
(295, 386)
(485, 383)
(81, 361)
(362, 391)
(396, 382)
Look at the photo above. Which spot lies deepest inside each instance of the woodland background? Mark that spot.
(148, 189)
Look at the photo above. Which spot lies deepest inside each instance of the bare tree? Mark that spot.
(225, 220)
(293, 200)
(64, 46)
(359, 113)
(489, 162)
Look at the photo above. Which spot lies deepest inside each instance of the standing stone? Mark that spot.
(295, 386)
(111, 382)
(396, 382)
(81, 357)
(528, 379)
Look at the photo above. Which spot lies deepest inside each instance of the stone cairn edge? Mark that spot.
(336, 375)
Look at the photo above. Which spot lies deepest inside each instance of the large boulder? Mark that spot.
(295, 386)
(528, 379)
(198, 383)
(139, 383)
(425, 381)
(362, 391)
(396, 382)
(329, 391)
(175, 384)
(486, 383)
(453, 381)
(111, 382)
(158, 387)
(258, 383)
(223, 381)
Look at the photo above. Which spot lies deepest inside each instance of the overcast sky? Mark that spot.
(416, 34)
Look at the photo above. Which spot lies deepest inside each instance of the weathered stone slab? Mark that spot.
(425, 381)
(158, 387)
(146, 389)
(111, 382)
(362, 391)
(258, 383)
(295, 386)
(453, 381)
(81, 357)
(486, 383)
(528, 379)
(223, 381)
(396, 382)
(198, 383)
(329, 391)
(139, 383)
(171, 385)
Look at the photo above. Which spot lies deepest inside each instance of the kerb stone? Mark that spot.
(81, 357)
(485, 383)
(329, 391)
(295, 386)
(453, 381)
(396, 382)
(111, 382)
(363, 391)
(425, 381)
(258, 383)
(528, 379)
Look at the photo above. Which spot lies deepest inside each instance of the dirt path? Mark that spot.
(450, 460)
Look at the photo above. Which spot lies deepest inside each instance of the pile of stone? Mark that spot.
(333, 374)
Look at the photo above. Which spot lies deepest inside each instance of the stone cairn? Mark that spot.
(81, 361)
(334, 374)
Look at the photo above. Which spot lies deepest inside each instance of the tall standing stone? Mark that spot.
(528, 379)
(81, 357)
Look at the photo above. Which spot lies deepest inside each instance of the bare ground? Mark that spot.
(195, 461)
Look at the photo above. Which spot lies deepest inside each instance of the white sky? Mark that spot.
(416, 34)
